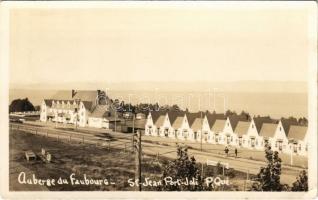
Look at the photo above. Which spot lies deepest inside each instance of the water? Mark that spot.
(256, 103)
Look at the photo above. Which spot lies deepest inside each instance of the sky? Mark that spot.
(158, 44)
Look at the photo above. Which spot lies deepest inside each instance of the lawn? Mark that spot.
(95, 162)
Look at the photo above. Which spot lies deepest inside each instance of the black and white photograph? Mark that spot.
(160, 97)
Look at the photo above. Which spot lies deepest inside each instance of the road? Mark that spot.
(123, 140)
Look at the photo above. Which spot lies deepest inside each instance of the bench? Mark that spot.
(30, 154)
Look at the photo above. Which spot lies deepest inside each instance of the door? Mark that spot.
(295, 147)
(252, 142)
(205, 136)
(228, 139)
(166, 131)
(280, 145)
(185, 134)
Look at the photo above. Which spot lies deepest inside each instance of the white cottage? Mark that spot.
(241, 130)
(228, 134)
(267, 134)
(167, 129)
(298, 140)
(186, 132)
(251, 139)
(177, 126)
(280, 140)
(154, 121)
(208, 123)
(217, 131)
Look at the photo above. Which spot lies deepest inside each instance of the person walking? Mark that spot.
(226, 150)
(235, 151)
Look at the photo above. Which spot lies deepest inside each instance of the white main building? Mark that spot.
(84, 108)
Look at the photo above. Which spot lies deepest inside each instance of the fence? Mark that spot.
(67, 136)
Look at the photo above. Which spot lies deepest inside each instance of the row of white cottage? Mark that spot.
(285, 135)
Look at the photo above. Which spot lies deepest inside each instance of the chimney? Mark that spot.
(73, 93)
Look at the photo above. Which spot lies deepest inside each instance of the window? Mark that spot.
(252, 125)
(228, 124)
(299, 147)
(280, 128)
(231, 138)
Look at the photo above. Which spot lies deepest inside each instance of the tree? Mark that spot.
(246, 115)
(182, 168)
(303, 121)
(21, 105)
(268, 179)
(229, 113)
(175, 107)
(301, 184)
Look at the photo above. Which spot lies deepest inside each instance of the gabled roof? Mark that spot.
(234, 119)
(174, 114)
(100, 111)
(197, 124)
(297, 132)
(260, 120)
(286, 123)
(218, 125)
(156, 114)
(48, 102)
(242, 128)
(88, 105)
(83, 95)
(192, 116)
(177, 122)
(268, 130)
(159, 122)
(213, 117)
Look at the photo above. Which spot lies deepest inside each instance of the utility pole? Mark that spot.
(76, 111)
(115, 122)
(201, 129)
(137, 141)
(133, 124)
(291, 157)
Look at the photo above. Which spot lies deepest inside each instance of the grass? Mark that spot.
(95, 162)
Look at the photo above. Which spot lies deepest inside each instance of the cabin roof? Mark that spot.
(177, 122)
(234, 119)
(212, 117)
(155, 115)
(268, 129)
(192, 116)
(173, 115)
(197, 124)
(259, 121)
(286, 123)
(297, 132)
(159, 122)
(242, 128)
(218, 125)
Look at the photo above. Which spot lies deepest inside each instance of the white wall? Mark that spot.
(95, 122)
(44, 111)
(280, 135)
(252, 133)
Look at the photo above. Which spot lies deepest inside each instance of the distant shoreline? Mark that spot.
(256, 103)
